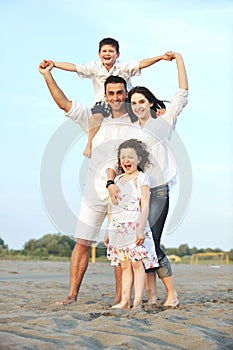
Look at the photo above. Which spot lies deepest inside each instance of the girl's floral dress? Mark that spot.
(123, 226)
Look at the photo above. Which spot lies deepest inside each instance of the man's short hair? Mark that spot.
(114, 79)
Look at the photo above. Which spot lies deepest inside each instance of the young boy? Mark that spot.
(98, 71)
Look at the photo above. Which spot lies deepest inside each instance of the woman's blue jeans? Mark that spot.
(159, 205)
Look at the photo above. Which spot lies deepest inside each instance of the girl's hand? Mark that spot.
(139, 237)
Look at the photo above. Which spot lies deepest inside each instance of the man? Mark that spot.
(94, 203)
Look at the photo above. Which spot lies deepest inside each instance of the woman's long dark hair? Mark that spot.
(157, 104)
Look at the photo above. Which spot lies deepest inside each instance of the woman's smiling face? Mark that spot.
(141, 106)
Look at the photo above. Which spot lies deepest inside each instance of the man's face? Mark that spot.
(115, 96)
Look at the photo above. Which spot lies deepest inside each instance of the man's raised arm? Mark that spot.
(58, 95)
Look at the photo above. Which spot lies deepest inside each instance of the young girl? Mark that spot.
(129, 238)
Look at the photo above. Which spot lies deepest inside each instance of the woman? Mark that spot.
(145, 107)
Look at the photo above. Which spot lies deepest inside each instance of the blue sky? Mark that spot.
(70, 31)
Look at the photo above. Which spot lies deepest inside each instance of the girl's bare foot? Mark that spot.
(150, 307)
(68, 300)
(137, 306)
(121, 305)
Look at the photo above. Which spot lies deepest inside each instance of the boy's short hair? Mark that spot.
(109, 41)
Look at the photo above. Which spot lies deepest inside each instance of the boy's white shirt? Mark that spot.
(97, 72)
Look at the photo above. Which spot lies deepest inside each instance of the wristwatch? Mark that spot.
(109, 182)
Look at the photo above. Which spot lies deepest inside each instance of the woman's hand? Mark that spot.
(170, 55)
(106, 240)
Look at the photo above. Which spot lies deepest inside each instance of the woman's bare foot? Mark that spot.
(171, 301)
(68, 300)
(171, 304)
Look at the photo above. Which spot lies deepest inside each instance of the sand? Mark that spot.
(30, 319)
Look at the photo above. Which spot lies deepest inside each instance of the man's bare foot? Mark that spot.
(68, 300)
(116, 301)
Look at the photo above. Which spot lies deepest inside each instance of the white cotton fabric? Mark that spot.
(97, 72)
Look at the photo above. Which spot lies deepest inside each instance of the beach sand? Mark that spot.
(30, 319)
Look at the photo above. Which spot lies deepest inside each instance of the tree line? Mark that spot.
(56, 244)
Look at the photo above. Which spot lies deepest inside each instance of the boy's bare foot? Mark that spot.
(68, 300)
(87, 151)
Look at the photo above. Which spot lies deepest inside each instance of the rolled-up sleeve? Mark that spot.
(129, 69)
(85, 70)
(80, 114)
(176, 106)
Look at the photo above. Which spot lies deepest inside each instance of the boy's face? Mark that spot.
(108, 55)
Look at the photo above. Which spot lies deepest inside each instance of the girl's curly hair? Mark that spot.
(141, 151)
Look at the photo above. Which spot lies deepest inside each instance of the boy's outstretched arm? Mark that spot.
(70, 67)
(149, 61)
